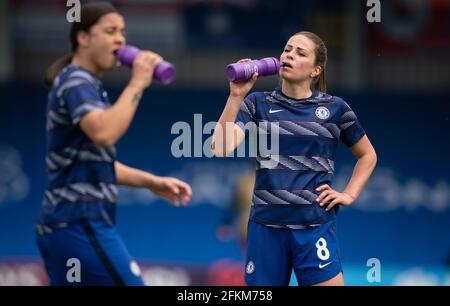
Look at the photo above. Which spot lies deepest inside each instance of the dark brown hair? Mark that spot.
(89, 15)
(319, 82)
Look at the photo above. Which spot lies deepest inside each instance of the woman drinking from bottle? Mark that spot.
(292, 218)
(77, 224)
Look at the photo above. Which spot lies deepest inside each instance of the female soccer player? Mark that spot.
(76, 228)
(291, 222)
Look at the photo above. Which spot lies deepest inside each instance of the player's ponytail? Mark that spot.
(55, 68)
(90, 14)
(319, 82)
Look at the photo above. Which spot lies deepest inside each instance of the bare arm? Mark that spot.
(132, 177)
(228, 135)
(366, 161)
(169, 188)
(106, 127)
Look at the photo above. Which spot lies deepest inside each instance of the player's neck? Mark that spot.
(296, 91)
(82, 62)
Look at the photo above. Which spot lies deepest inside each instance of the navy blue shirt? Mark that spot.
(309, 132)
(81, 176)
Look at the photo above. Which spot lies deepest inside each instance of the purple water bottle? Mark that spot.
(164, 72)
(244, 71)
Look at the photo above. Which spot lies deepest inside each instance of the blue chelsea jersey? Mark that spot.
(309, 131)
(81, 176)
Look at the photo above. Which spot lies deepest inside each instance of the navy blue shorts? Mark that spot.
(96, 246)
(272, 253)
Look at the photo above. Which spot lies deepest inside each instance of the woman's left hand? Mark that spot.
(172, 189)
(328, 194)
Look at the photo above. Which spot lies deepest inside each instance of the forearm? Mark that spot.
(361, 173)
(128, 176)
(114, 121)
(224, 132)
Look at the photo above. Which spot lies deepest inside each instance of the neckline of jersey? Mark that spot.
(314, 94)
(75, 66)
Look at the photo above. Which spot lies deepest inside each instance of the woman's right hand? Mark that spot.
(241, 88)
(143, 67)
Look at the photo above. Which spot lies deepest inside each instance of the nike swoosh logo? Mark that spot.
(275, 111)
(324, 265)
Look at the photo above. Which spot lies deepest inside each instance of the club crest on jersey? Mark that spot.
(322, 112)
(250, 268)
(135, 268)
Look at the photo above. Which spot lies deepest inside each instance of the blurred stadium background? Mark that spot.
(395, 74)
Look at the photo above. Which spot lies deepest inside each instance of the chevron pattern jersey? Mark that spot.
(309, 131)
(81, 177)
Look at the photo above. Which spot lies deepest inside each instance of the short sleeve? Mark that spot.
(247, 111)
(349, 125)
(81, 99)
